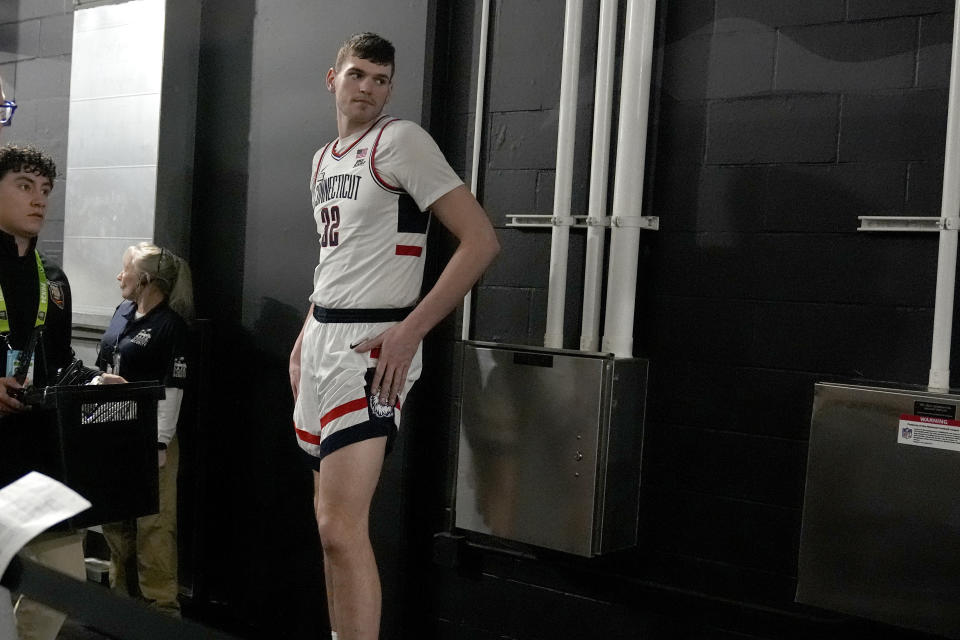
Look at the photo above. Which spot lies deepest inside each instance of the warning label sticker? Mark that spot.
(923, 431)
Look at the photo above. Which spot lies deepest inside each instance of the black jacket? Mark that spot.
(27, 438)
(20, 282)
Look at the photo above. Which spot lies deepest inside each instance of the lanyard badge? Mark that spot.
(20, 362)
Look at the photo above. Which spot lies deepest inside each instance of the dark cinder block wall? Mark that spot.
(774, 124)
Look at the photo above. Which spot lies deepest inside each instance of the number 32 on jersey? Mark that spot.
(330, 217)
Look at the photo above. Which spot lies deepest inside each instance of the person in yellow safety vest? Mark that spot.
(35, 326)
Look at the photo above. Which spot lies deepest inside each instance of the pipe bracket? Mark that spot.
(541, 221)
(651, 223)
(907, 223)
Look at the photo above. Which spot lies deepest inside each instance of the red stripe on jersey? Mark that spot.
(375, 353)
(316, 171)
(409, 250)
(339, 154)
(348, 407)
(373, 162)
(306, 436)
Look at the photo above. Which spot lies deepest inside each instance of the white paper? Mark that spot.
(31, 505)
(8, 625)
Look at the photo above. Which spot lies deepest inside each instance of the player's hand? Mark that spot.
(294, 371)
(109, 378)
(398, 345)
(9, 404)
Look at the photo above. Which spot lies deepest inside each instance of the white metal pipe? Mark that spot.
(599, 171)
(563, 185)
(477, 139)
(628, 185)
(950, 210)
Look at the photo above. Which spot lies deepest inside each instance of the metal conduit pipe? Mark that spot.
(628, 185)
(599, 170)
(950, 211)
(563, 186)
(477, 139)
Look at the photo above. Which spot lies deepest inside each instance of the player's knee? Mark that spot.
(339, 533)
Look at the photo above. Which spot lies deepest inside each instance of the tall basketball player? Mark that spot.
(374, 189)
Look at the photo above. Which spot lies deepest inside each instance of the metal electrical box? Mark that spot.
(880, 536)
(550, 447)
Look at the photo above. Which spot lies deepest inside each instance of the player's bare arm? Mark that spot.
(463, 216)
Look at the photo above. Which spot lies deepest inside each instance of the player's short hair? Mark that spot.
(367, 46)
(28, 160)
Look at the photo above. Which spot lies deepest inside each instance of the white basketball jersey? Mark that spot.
(370, 195)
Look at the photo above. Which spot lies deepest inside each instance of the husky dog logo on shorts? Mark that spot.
(377, 409)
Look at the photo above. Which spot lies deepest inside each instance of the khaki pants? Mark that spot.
(150, 545)
(60, 551)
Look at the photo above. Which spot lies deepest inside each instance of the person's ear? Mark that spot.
(331, 74)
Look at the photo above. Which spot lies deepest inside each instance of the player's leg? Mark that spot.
(346, 481)
(331, 610)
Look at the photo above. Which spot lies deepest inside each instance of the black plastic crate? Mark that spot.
(101, 441)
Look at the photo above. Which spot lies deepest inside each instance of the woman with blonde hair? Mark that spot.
(147, 340)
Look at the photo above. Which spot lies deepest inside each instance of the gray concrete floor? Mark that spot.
(72, 630)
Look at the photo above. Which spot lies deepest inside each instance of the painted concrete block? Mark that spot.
(721, 65)
(866, 269)
(933, 59)
(523, 139)
(572, 308)
(502, 314)
(9, 12)
(43, 78)
(843, 339)
(688, 18)
(56, 35)
(19, 40)
(682, 133)
(900, 126)
(791, 128)
(732, 14)
(524, 259)
(507, 192)
(30, 9)
(829, 197)
(525, 69)
(868, 9)
(52, 117)
(847, 57)
(711, 199)
(924, 189)
(687, 393)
